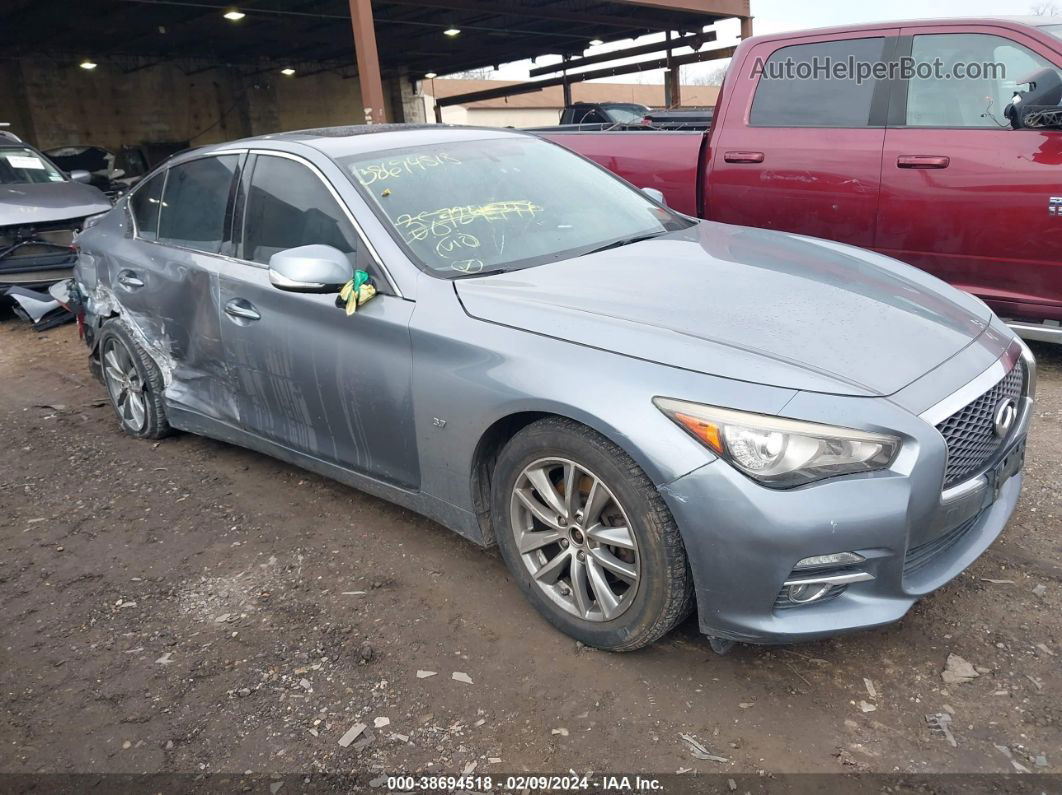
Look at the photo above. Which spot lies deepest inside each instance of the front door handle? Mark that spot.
(129, 280)
(743, 157)
(241, 309)
(923, 161)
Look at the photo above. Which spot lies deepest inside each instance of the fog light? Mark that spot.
(808, 592)
(836, 559)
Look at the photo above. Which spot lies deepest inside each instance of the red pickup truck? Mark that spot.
(918, 160)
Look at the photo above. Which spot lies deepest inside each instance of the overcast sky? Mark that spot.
(772, 16)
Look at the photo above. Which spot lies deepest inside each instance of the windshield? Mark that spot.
(1054, 30)
(468, 207)
(626, 114)
(20, 164)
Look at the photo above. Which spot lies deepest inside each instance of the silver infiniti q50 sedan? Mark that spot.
(647, 413)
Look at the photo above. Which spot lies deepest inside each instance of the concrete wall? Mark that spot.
(52, 103)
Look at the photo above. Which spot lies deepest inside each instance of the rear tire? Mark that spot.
(134, 382)
(606, 564)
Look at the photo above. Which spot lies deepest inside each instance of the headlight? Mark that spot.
(779, 452)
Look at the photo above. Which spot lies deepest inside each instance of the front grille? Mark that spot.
(923, 554)
(969, 432)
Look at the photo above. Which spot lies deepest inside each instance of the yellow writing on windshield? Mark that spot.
(445, 221)
(400, 166)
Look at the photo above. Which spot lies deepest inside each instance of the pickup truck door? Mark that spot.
(964, 196)
(797, 149)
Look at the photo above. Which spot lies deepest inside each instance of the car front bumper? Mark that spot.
(744, 540)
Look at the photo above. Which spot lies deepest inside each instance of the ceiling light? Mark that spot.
(430, 75)
(288, 71)
(451, 32)
(596, 42)
(234, 14)
(87, 64)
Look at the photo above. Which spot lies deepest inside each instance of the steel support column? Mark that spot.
(372, 95)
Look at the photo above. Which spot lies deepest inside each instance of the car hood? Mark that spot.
(36, 203)
(749, 304)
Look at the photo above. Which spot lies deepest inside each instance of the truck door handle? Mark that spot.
(129, 280)
(923, 161)
(241, 309)
(743, 157)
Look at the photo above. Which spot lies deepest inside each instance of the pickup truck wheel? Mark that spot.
(588, 538)
(134, 383)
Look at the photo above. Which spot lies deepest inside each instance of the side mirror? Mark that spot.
(80, 175)
(655, 195)
(310, 269)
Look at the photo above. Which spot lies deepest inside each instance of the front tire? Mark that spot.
(588, 538)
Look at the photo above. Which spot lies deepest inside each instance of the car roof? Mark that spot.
(1028, 21)
(358, 139)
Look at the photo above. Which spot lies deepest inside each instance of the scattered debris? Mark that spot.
(870, 688)
(165, 658)
(494, 760)
(1040, 760)
(274, 787)
(958, 671)
(698, 751)
(561, 731)
(1036, 681)
(997, 582)
(1043, 647)
(425, 674)
(1018, 766)
(460, 676)
(469, 768)
(866, 706)
(366, 653)
(380, 723)
(222, 618)
(940, 722)
(1039, 590)
(746, 704)
(352, 734)
(243, 692)
(305, 684)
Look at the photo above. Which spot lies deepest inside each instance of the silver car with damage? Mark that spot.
(647, 413)
(41, 210)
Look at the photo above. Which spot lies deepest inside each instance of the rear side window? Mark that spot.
(811, 85)
(195, 204)
(289, 206)
(145, 204)
(978, 77)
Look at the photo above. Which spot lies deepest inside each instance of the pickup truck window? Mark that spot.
(996, 65)
(1054, 30)
(795, 90)
(501, 203)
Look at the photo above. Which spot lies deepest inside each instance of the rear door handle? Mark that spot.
(743, 157)
(923, 161)
(129, 280)
(242, 309)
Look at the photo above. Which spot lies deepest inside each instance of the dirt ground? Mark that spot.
(191, 606)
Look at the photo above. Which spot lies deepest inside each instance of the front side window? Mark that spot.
(972, 84)
(195, 203)
(812, 85)
(20, 165)
(145, 204)
(467, 207)
(289, 206)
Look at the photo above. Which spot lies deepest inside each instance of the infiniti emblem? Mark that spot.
(1006, 413)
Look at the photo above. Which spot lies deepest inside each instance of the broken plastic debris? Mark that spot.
(460, 676)
(941, 723)
(425, 674)
(866, 706)
(561, 731)
(379, 723)
(698, 751)
(873, 693)
(352, 734)
(958, 671)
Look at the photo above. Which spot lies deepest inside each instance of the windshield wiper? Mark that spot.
(624, 242)
(491, 272)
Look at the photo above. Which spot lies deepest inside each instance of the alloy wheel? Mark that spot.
(575, 539)
(125, 385)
